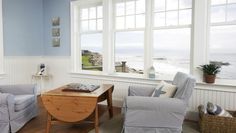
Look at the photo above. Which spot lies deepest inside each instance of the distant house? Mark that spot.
(86, 52)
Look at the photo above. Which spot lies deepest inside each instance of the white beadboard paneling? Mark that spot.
(20, 70)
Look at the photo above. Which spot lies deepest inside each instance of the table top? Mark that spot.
(98, 92)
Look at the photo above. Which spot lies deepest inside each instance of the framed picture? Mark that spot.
(56, 42)
(56, 21)
(55, 32)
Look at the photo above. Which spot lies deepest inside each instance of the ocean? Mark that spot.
(174, 62)
(170, 62)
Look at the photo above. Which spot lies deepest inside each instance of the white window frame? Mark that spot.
(215, 24)
(145, 63)
(76, 32)
(199, 51)
(1, 42)
(178, 26)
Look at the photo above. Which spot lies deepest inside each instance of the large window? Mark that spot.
(129, 36)
(172, 35)
(222, 36)
(91, 25)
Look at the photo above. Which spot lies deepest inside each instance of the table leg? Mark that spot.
(96, 120)
(109, 102)
(49, 123)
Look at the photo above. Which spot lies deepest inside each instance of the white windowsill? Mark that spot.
(230, 85)
(2, 75)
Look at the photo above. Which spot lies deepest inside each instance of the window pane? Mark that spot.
(231, 13)
(91, 45)
(140, 21)
(129, 49)
(231, 1)
(99, 24)
(92, 24)
(217, 14)
(185, 17)
(172, 4)
(120, 22)
(84, 14)
(140, 6)
(171, 18)
(99, 12)
(92, 13)
(130, 7)
(129, 22)
(185, 4)
(160, 5)
(172, 50)
(84, 25)
(159, 19)
(120, 9)
(218, 2)
(222, 50)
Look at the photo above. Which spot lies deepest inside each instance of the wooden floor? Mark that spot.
(38, 124)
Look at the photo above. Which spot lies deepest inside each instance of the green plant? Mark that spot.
(210, 69)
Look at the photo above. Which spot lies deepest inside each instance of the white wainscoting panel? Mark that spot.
(20, 69)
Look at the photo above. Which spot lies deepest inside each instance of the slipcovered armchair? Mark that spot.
(18, 105)
(146, 114)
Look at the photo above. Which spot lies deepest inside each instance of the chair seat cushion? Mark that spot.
(22, 101)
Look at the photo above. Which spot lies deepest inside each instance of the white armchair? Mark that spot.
(18, 105)
(145, 114)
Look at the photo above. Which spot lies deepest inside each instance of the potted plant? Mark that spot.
(209, 72)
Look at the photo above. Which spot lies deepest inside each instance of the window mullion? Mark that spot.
(108, 37)
(199, 36)
(1, 42)
(226, 11)
(148, 40)
(75, 50)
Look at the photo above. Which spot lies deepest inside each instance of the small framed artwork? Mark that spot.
(55, 32)
(56, 42)
(56, 21)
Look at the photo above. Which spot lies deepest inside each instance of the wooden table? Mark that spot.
(75, 106)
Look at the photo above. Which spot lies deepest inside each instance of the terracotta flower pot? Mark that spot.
(209, 78)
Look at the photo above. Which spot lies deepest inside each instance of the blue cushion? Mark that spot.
(22, 101)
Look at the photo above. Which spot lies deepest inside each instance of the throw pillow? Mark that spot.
(157, 90)
(164, 90)
(217, 110)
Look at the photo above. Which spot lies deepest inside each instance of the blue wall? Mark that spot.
(57, 8)
(22, 27)
(27, 27)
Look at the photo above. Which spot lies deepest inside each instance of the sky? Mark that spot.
(222, 38)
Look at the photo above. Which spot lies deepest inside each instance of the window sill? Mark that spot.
(2, 75)
(141, 79)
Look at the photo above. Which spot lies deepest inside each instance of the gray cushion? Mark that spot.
(22, 101)
(157, 90)
(217, 110)
(164, 89)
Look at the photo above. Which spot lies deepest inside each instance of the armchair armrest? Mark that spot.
(154, 112)
(19, 89)
(155, 103)
(140, 91)
(6, 106)
(4, 98)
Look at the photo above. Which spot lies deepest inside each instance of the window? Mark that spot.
(222, 37)
(1, 41)
(91, 42)
(172, 35)
(129, 36)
